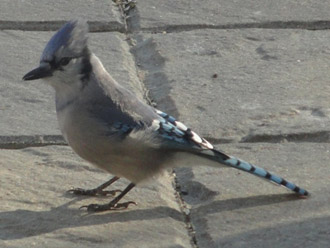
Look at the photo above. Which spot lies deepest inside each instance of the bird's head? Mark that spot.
(65, 57)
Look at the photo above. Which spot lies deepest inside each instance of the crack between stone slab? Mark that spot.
(94, 26)
(146, 92)
(24, 141)
(101, 26)
(307, 25)
(121, 4)
(313, 137)
(185, 211)
(149, 64)
(183, 207)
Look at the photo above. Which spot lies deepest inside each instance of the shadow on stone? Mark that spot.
(244, 202)
(313, 232)
(201, 222)
(21, 223)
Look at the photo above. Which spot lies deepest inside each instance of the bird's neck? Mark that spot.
(66, 96)
(69, 88)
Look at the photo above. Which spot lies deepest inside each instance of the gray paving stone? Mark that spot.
(230, 208)
(249, 85)
(153, 14)
(240, 84)
(27, 108)
(31, 10)
(36, 211)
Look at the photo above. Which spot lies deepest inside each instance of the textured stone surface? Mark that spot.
(230, 208)
(27, 107)
(36, 211)
(202, 62)
(238, 84)
(161, 14)
(31, 10)
(248, 85)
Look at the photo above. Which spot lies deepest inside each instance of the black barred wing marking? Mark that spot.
(172, 129)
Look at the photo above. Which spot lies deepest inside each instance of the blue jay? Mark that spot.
(110, 127)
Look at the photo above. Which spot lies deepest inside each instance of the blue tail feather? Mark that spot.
(257, 171)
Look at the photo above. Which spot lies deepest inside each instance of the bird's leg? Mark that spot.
(113, 205)
(97, 191)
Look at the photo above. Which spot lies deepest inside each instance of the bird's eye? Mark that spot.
(64, 61)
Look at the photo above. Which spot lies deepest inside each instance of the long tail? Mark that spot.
(250, 168)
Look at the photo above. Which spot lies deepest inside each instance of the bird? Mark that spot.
(111, 128)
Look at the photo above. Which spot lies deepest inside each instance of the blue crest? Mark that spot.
(71, 38)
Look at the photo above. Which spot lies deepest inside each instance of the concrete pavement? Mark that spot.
(250, 76)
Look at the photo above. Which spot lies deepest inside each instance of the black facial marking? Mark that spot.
(64, 61)
(86, 69)
(53, 64)
(59, 65)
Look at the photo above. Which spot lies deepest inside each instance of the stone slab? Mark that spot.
(32, 10)
(36, 211)
(230, 208)
(238, 84)
(158, 14)
(27, 108)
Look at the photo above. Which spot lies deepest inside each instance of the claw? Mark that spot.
(94, 207)
(85, 206)
(124, 205)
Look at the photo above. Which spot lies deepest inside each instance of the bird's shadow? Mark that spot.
(217, 206)
(22, 223)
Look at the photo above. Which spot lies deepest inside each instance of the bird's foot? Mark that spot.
(93, 192)
(106, 207)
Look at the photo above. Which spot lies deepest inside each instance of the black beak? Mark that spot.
(41, 72)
